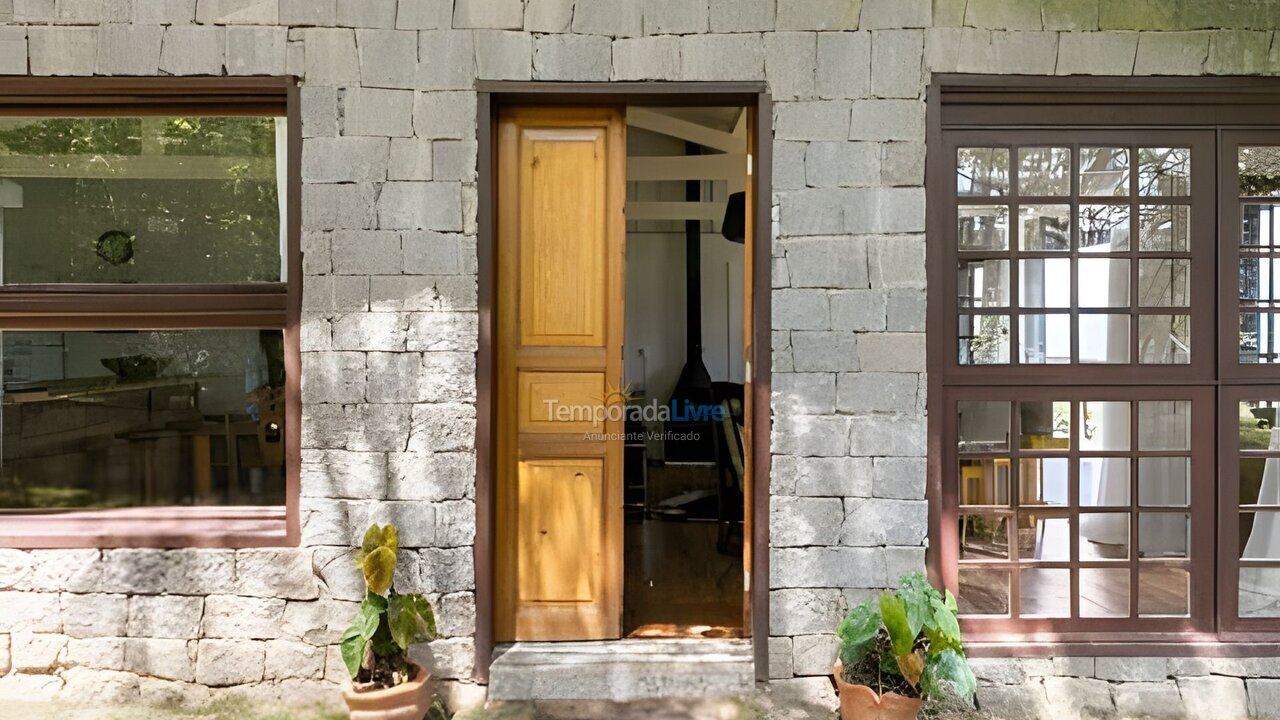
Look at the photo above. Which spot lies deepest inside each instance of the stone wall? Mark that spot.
(389, 326)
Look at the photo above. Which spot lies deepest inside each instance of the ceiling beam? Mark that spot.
(649, 119)
(675, 211)
(724, 166)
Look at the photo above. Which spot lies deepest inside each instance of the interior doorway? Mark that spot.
(600, 528)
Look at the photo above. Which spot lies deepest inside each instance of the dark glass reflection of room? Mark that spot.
(685, 452)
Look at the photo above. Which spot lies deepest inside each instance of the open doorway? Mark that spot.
(684, 372)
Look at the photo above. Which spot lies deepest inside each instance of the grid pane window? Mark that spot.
(1057, 252)
(1084, 516)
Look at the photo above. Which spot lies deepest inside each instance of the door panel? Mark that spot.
(558, 485)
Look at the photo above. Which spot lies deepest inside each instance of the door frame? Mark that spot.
(492, 95)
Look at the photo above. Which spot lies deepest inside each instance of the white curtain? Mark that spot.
(1260, 587)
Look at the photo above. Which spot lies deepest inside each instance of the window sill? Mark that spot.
(1191, 645)
(152, 527)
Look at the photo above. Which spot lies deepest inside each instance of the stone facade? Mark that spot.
(390, 325)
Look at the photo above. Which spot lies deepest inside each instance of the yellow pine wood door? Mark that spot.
(558, 475)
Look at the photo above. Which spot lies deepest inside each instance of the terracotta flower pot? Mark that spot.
(859, 702)
(406, 701)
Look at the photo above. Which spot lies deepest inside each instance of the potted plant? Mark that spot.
(900, 649)
(384, 684)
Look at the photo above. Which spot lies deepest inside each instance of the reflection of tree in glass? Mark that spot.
(151, 178)
(1104, 225)
(1044, 171)
(987, 345)
(1164, 171)
(982, 171)
(1259, 171)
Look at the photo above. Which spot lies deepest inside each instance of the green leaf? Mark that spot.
(379, 567)
(353, 644)
(857, 632)
(951, 603)
(947, 675)
(372, 541)
(411, 620)
(893, 611)
(918, 595)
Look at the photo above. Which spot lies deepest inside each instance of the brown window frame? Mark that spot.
(275, 305)
(1231, 110)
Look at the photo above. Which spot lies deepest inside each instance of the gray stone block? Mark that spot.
(892, 352)
(899, 477)
(1081, 699)
(896, 261)
(165, 616)
(1003, 15)
(880, 120)
(1264, 698)
(388, 58)
(233, 616)
(818, 567)
(238, 12)
(876, 392)
(993, 51)
(446, 60)
(887, 435)
(844, 65)
(838, 262)
(548, 16)
(256, 51)
(442, 428)
(330, 56)
(370, 331)
(424, 14)
(503, 55)
(842, 164)
(907, 310)
(874, 522)
(308, 12)
(1016, 702)
(129, 49)
(615, 18)
(410, 159)
(804, 393)
(1145, 669)
(220, 663)
(319, 109)
(366, 13)
(13, 51)
(572, 57)
(813, 211)
(729, 56)
(344, 159)
(337, 377)
(93, 615)
(420, 206)
(647, 58)
(1148, 700)
(811, 435)
(164, 12)
(448, 115)
(858, 310)
(818, 14)
(902, 163)
(493, 14)
(674, 17)
(820, 351)
(743, 15)
(1239, 52)
(803, 521)
(812, 120)
(1171, 53)
(1215, 696)
(1096, 53)
(788, 164)
(801, 309)
(789, 63)
(168, 659)
(814, 654)
(889, 14)
(378, 112)
(897, 58)
(780, 649)
(800, 611)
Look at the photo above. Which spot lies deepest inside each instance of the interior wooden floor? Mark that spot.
(1104, 592)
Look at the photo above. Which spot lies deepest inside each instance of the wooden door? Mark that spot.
(561, 241)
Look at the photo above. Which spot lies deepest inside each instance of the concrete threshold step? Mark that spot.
(622, 669)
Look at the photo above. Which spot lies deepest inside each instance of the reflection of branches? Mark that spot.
(1259, 171)
(1163, 171)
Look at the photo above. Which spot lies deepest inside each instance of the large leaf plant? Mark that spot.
(907, 641)
(375, 647)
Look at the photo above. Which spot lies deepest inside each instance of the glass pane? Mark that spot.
(1257, 425)
(1258, 484)
(1044, 339)
(1104, 338)
(141, 200)
(1104, 282)
(1259, 171)
(1044, 282)
(1045, 592)
(984, 537)
(1164, 425)
(983, 591)
(1043, 481)
(1164, 171)
(1163, 590)
(1044, 227)
(1258, 225)
(1259, 340)
(1104, 536)
(1164, 339)
(1045, 425)
(121, 419)
(1104, 482)
(1164, 535)
(1104, 228)
(983, 425)
(1104, 171)
(1259, 281)
(984, 227)
(1164, 228)
(1104, 592)
(984, 481)
(1260, 535)
(1105, 425)
(984, 339)
(1163, 282)
(984, 283)
(1164, 481)
(1044, 537)
(1044, 171)
(1259, 592)
(982, 171)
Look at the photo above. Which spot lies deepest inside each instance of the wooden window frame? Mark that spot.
(70, 307)
(1234, 110)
